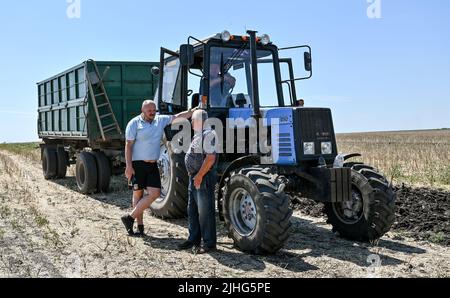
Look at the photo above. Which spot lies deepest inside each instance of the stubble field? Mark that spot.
(48, 229)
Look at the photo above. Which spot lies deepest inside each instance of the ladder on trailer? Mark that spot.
(106, 119)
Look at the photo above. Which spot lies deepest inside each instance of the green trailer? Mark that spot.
(82, 116)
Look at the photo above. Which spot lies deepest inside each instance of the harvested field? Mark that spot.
(48, 229)
(412, 157)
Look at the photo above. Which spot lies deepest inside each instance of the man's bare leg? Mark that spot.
(146, 202)
(137, 197)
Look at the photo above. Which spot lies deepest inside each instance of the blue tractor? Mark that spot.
(239, 77)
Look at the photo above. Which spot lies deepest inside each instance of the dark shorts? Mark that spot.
(147, 175)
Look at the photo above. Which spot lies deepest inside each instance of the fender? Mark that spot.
(351, 155)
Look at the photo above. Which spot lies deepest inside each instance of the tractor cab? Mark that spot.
(223, 66)
(239, 77)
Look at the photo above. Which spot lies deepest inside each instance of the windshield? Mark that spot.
(230, 78)
(171, 88)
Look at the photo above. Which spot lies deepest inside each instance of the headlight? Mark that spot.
(339, 161)
(265, 39)
(226, 36)
(326, 148)
(308, 148)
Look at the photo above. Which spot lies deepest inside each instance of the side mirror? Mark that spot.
(308, 61)
(155, 71)
(186, 54)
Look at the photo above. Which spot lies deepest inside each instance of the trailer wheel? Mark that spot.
(62, 162)
(174, 185)
(86, 173)
(49, 163)
(370, 212)
(103, 171)
(256, 210)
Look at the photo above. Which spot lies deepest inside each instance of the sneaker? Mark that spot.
(185, 245)
(128, 222)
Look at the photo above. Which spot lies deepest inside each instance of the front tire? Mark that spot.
(256, 210)
(370, 212)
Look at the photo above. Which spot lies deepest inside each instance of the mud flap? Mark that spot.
(340, 184)
(331, 185)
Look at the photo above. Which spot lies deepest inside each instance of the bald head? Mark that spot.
(198, 117)
(148, 110)
(148, 102)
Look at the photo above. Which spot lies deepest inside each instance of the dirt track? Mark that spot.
(47, 229)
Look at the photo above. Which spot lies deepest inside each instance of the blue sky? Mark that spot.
(391, 73)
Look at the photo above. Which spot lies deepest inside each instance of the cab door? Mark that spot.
(171, 96)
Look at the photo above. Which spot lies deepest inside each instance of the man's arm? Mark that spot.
(208, 163)
(227, 78)
(129, 171)
(231, 80)
(183, 115)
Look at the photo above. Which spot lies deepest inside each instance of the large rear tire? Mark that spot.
(256, 210)
(103, 171)
(49, 163)
(86, 173)
(174, 185)
(63, 158)
(370, 212)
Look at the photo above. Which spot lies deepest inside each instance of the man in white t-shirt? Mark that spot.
(142, 149)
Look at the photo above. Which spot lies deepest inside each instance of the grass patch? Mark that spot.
(5, 212)
(437, 238)
(40, 219)
(17, 226)
(29, 150)
(444, 176)
(53, 238)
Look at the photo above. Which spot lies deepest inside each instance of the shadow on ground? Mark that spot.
(118, 196)
(314, 240)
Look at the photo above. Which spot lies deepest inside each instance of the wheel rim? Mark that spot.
(352, 210)
(164, 172)
(243, 212)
